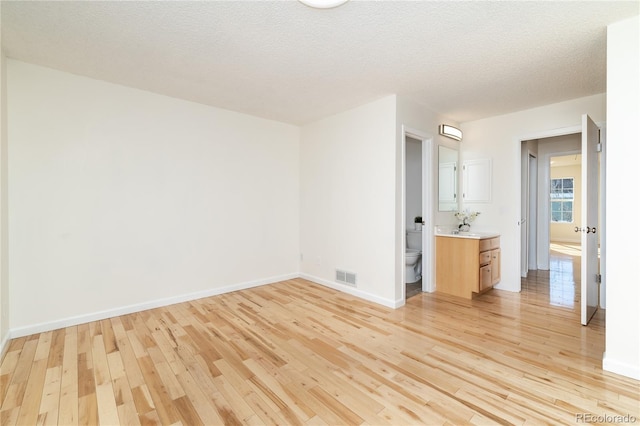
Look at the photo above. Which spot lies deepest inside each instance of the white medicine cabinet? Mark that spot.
(476, 180)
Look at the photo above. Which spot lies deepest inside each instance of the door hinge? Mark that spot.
(598, 279)
(599, 147)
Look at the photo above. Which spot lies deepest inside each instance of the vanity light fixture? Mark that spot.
(450, 132)
(323, 4)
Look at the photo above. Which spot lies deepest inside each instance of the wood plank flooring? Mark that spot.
(296, 353)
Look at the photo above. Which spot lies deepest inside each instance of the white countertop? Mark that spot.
(471, 235)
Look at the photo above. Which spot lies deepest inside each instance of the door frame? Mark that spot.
(428, 275)
(602, 186)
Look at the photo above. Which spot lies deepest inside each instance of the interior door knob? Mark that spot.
(577, 229)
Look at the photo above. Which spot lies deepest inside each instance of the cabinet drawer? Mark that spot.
(486, 280)
(495, 243)
(489, 243)
(485, 258)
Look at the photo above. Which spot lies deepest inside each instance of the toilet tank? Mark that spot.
(414, 239)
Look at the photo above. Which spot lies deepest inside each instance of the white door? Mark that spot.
(532, 213)
(590, 264)
(528, 215)
(524, 211)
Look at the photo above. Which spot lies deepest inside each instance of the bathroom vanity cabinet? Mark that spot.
(467, 264)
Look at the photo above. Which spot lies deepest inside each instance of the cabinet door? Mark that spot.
(485, 277)
(495, 266)
(476, 181)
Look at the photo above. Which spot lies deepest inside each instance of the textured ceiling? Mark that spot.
(285, 61)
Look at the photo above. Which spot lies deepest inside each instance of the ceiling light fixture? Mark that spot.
(450, 132)
(323, 4)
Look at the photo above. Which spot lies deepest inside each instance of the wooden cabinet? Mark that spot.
(465, 266)
(495, 266)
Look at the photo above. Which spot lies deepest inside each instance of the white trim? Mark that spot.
(551, 133)
(4, 345)
(429, 192)
(110, 313)
(129, 309)
(428, 276)
(403, 220)
(394, 304)
(124, 310)
(603, 215)
(622, 368)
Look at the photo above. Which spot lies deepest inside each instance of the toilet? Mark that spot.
(413, 256)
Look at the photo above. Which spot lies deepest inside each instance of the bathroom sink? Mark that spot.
(477, 235)
(473, 235)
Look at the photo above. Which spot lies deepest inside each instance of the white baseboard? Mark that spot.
(4, 345)
(394, 304)
(158, 303)
(129, 309)
(621, 368)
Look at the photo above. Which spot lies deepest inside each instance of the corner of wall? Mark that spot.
(4, 276)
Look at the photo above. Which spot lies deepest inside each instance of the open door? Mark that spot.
(524, 211)
(590, 262)
(528, 215)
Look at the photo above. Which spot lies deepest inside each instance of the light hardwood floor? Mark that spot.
(299, 353)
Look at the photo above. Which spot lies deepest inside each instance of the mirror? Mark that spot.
(447, 179)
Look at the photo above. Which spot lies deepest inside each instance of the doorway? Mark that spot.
(569, 204)
(536, 229)
(414, 215)
(417, 202)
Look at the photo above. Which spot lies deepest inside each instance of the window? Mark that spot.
(562, 200)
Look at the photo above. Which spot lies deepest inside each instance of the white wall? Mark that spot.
(347, 169)
(352, 209)
(4, 214)
(623, 174)
(499, 138)
(120, 199)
